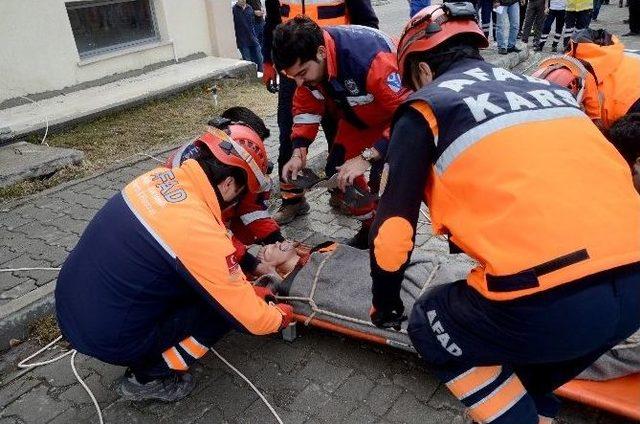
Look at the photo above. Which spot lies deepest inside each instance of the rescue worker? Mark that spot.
(325, 13)
(153, 281)
(600, 73)
(248, 219)
(522, 181)
(349, 72)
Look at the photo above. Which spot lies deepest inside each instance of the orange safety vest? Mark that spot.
(323, 12)
(524, 183)
(617, 74)
(609, 75)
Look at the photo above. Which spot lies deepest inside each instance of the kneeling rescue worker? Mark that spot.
(248, 218)
(153, 281)
(602, 75)
(522, 181)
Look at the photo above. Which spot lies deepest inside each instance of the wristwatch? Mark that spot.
(368, 154)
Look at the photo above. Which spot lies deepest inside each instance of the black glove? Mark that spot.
(391, 318)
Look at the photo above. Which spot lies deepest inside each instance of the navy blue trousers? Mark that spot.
(178, 341)
(504, 359)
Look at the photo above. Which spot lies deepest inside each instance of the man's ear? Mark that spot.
(422, 75)
(321, 54)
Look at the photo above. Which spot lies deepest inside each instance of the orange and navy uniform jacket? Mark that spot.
(159, 243)
(249, 219)
(323, 12)
(612, 86)
(362, 90)
(515, 174)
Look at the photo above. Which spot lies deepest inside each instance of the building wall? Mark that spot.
(38, 52)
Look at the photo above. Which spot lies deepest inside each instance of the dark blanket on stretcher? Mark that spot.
(343, 286)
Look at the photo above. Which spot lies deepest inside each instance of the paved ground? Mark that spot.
(318, 378)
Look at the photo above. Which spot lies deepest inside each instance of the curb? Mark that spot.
(17, 315)
(241, 69)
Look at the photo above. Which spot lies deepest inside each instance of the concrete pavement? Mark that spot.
(320, 377)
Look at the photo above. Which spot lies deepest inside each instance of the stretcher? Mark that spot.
(320, 301)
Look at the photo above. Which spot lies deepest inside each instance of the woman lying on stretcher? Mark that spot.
(338, 277)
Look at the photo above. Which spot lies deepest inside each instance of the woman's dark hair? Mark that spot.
(217, 171)
(296, 39)
(624, 134)
(246, 115)
(442, 57)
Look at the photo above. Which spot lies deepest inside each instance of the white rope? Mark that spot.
(255, 389)
(23, 365)
(428, 221)
(430, 278)
(29, 269)
(315, 310)
(46, 119)
(84, 385)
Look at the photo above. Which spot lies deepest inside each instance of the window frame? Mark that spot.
(75, 5)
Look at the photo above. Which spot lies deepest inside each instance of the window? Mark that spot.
(107, 25)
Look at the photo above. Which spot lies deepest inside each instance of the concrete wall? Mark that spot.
(38, 52)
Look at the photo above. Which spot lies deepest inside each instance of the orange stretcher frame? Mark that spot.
(620, 396)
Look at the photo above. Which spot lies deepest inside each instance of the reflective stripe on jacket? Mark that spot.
(524, 182)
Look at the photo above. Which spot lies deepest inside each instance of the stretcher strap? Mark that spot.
(315, 310)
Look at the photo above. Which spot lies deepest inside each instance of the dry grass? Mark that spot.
(159, 123)
(44, 330)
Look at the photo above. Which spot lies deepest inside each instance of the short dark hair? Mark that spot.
(217, 171)
(624, 134)
(442, 57)
(296, 39)
(246, 115)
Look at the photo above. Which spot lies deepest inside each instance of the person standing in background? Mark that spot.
(634, 18)
(596, 9)
(523, 12)
(533, 20)
(577, 17)
(554, 11)
(510, 13)
(258, 16)
(246, 40)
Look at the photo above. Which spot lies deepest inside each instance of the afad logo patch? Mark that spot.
(394, 82)
(233, 265)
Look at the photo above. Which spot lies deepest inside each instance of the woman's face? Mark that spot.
(277, 254)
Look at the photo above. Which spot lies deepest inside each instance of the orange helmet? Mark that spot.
(561, 76)
(240, 146)
(436, 24)
(565, 71)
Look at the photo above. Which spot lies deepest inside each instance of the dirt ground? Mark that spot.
(120, 135)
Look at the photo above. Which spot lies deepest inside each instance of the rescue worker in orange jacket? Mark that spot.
(325, 13)
(603, 76)
(349, 72)
(521, 180)
(248, 219)
(153, 281)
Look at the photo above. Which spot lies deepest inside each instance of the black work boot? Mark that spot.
(287, 212)
(361, 239)
(167, 389)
